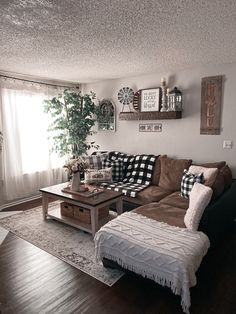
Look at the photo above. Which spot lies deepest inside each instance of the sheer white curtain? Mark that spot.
(27, 164)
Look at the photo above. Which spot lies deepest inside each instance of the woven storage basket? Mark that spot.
(83, 214)
(67, 209)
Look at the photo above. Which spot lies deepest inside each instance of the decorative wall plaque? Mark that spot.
(211, 104)
(150, 99)
(150, 127)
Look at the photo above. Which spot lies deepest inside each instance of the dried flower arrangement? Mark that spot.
(76, 165)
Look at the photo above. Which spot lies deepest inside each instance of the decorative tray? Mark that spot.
(87, 193)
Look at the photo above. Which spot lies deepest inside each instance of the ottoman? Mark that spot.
(167, 254)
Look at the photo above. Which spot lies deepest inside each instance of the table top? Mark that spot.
(106, 195)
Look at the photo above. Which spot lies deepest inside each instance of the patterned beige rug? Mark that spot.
(71, 245)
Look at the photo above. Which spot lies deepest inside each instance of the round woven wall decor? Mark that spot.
(125, 95)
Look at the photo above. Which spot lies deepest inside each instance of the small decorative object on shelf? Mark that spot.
(175, 100)
(136, 100)
(125, 96)
(164, 107)
(74, 167)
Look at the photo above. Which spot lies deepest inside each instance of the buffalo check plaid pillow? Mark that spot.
(128, 161)
(114, 155)
(188, 181)
(140, 169)
(117, 168)
(95, 161)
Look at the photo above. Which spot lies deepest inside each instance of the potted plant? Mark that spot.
(73, 116)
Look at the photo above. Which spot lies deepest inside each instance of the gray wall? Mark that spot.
(179, 138)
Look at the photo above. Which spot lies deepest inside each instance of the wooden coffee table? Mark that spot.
(93, 203)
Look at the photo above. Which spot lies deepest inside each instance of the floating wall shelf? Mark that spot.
(150, 115)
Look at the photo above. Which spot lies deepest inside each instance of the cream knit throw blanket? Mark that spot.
(166, 254)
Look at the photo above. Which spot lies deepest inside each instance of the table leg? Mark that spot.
(45, 205)
(94, 220)
(119, 205)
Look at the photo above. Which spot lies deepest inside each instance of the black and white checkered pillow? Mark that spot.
(117, 168)
(95, 161)
(188, 181)
(140, 171)
(115, 155)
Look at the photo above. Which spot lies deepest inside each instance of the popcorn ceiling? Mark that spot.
(85, 41)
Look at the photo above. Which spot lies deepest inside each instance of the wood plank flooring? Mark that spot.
(33, 281)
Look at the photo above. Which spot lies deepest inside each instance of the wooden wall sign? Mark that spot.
(211, 104)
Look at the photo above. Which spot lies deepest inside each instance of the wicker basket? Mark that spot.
(83, 214)
(67, 209)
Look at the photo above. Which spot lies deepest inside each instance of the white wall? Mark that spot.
(179, 138)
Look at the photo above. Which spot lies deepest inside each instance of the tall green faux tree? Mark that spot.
(73, 116)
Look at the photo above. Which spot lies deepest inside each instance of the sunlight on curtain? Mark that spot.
(27, 162)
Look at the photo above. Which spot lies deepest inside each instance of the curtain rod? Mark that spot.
(25, 80)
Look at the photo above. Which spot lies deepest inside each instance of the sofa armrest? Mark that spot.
(219, 216)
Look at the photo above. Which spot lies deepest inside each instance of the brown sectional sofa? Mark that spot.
(162, 200)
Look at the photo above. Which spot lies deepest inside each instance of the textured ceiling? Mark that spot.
(91, 40)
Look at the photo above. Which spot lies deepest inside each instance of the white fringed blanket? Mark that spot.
(166, 254)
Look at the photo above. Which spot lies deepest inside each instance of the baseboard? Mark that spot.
(28, 199)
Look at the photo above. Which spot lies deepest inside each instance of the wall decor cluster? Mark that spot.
(125, 96)
(106, 116)
(150, 127)
(211, 96)
(151, 103)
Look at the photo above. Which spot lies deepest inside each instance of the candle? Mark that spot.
(163, 80)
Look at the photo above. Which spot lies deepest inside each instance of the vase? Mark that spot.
(75, 182)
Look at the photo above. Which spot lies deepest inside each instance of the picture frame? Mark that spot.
(150, 99)
(150, 127)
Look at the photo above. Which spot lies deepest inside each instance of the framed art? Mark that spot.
(150, 100)
(211, 104)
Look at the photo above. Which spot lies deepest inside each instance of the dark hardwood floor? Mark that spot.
(33, 281)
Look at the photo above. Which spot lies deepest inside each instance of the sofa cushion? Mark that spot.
(188, 181)
(98, 175)
(200, 197)
(227, 174)
(142, 170)
(152, 194)
(218, 164)
(157, 171)
(176, 200)
(218, 186)
(171, 172)
(208, 173)
(117, 168)
(95, 161)
(171, 215)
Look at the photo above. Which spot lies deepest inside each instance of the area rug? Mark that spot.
(71, 245)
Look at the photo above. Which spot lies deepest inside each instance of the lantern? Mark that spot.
(175, 100)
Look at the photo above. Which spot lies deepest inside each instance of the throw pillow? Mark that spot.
(117, 168)
(227, 174)
(142, 169)
(208, 173)
(114, 155)
(98, 175)
(95, 161)
(172, 172)
(157, 170)
(200, 197)
(188, 181)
